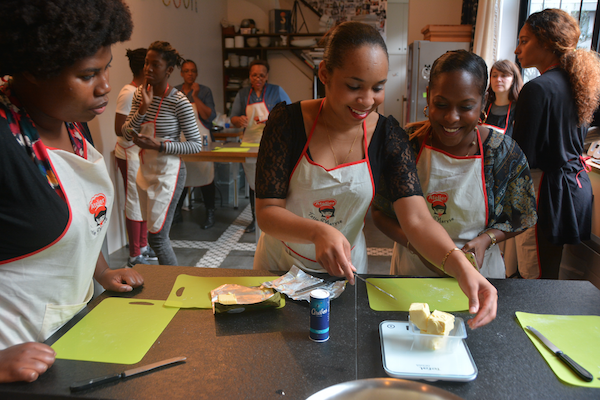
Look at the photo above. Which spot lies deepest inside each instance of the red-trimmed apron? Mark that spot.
(156, 178)
(339, 197)
(455, 192)
(44, 290)
(497, 128)
(253, 132)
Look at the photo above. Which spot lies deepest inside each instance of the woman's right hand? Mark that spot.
(147, 95)
(25, 362)
(333, 252)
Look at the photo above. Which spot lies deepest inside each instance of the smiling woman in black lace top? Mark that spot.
(318, 164)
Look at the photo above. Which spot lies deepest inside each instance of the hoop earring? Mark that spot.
(425, 112)
(482, 121)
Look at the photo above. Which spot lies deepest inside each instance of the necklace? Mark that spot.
(473, 143)
(331, 146)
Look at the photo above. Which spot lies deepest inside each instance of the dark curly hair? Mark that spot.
(137, 59)
(559, 32)
(168, 53)
(43, 37)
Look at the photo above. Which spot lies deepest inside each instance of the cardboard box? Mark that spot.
(448, 33)
(280, 21)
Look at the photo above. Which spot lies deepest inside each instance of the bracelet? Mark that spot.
(162, 147)
(493, 237)
(446, 257)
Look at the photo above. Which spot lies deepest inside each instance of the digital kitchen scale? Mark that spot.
(403, 357)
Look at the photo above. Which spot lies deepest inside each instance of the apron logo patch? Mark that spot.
(97, 208)
(438, 202)
(326, 212)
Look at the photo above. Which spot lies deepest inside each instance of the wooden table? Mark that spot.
(262, 354)
(227, 134)
(224, 156)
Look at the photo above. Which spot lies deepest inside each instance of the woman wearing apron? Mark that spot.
(250, 110)
(57, 196)
(551, 121)
(502, 96)
(200, 174)
(318, 167)
(478, 188)
(159, 114)
(128, 161)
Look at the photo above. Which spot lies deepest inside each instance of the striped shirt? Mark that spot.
(176, 116)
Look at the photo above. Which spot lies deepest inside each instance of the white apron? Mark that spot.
(253, 133)
(497, 128)
(339, 197)
(156, 179)
(199, 173)
(131, 153)
(454, 189)
(43, 291)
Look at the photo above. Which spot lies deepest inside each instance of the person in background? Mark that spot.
(56, 194)
(318, 167)
(250, 110)
(159, 114)
(551, 121)
(475, 180)
(202, 99)
(502, 96)
(128, 161)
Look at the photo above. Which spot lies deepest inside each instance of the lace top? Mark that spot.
(284, 139)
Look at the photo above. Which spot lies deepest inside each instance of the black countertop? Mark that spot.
(268, 355)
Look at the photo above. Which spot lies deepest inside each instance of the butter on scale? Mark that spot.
(435, 323)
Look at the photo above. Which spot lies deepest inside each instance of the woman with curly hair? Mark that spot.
(502, 96)
(159, 113)
(475, 180)
(57, 195)
(553, 112)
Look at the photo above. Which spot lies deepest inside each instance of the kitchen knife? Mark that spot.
(578, 369)
(375, 286)
(88, 383)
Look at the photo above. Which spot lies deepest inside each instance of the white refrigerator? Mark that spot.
(421, 55)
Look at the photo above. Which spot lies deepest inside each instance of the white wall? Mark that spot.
(431, 12)
(195, 32)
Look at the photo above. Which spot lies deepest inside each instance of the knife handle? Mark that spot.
(579, 370)
(88, 383)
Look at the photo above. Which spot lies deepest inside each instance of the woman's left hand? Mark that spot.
(120, 280)
(145, 142)
(478, 246)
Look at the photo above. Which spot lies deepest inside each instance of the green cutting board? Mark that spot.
(194, 291)
(442, 294)
(118, 330)
(578, 336)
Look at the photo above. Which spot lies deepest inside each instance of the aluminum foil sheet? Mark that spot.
(295, 280)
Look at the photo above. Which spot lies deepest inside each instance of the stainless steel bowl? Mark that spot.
(383, 389)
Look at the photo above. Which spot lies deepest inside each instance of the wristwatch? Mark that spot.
(493, 237)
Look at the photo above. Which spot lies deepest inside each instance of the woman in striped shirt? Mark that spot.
(159, 114)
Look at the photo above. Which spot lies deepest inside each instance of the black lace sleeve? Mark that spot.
(283, 139)
(399, 165)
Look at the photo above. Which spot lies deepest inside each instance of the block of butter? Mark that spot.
(419, 314)
(227, 298)
(440, 323)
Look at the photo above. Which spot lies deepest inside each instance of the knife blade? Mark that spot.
(375, 286)
(324, 282)
(578, 369)
(88, 383)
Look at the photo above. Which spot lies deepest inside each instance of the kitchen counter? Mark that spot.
(262, 354)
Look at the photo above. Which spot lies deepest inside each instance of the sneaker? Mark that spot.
(136, 260)
(149, 254)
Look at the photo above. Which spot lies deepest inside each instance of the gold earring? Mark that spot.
(425, 112)
(482, 121)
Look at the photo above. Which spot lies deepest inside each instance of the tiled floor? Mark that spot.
(225, 245)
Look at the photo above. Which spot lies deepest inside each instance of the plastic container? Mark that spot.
(438, 343)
